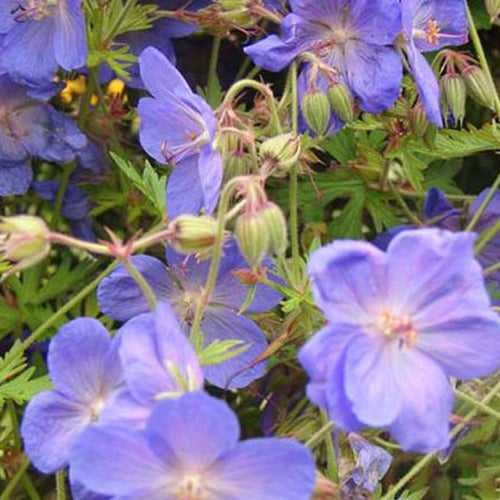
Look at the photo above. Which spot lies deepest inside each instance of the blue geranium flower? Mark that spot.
(190, 449)
(158, 363)
(355, 39)
(31, 128)
(430, 25)
(400, 324)
(41, 35)
(182, 285)
(440, 212)
(85, 370)
(179, 127)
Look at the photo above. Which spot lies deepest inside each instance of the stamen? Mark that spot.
(33, 10)
(191, 488)
(433, 32)
(397, 328)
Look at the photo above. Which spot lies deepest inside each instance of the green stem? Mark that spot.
(411, 216)
(69, 241)
(6, 493)
(213, 80)
(15, 424)
(141, 282)
(61, 485)
(492, 269)
(482, 207)
(294, 181)
(68, 169)
(332, 470)
(195, 335)
(68, 306)
(318, 436)
(427, 459)
(482, 57)
(84, 108)
(486, 237)
(237, 87)
(478, 404)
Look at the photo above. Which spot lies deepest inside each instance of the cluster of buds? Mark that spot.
(317, 106)
(192, 234)
(463, 76)
(260, 229)
(24, 241)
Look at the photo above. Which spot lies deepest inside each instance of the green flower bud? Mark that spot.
(316, 110)
(191, 234)
(493, 8)
(418, 121)
(24, 239)
(453, 95)
(280, 152)
(252, 236)
(479, 86)
(276, 228)
(341, 102)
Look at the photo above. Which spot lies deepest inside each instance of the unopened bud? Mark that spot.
(316, 110)
(479, 86)
(276, 227)
(418, 121)
(453, 95)
(341, 102)
(24, 240)
(493, 8)
(280, 152)
(252, 237)
(191, 234)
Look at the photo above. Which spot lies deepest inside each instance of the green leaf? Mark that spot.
(221, 350)
(151, 185)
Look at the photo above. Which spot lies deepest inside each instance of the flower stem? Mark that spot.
(294, 182)
(479, 212)
(68, 306)
(482, 57)
(332, 470)
(427, 459)
(60, 485)
(6, 493)
(486, 237)
(68, 169)
(195, 335)
(478, 404)
(318, 436)
(492, 269)
(213, 81)
(141, 282)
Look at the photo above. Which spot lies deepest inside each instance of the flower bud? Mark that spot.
(191, 234)
(418, 121)
(276, 227)
(341, 102)
(453, 95)
(316, 110)
(479, 86)
(493, 8)
(24, 239)
(280, 152)
(252, 236)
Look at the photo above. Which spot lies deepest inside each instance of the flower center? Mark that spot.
(337, 37)
(191, 488)
(96, 408)
(185, 305)
(34, 10)
(397, 328)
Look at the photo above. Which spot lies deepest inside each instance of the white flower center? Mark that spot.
(191, 488)
(398, 328)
